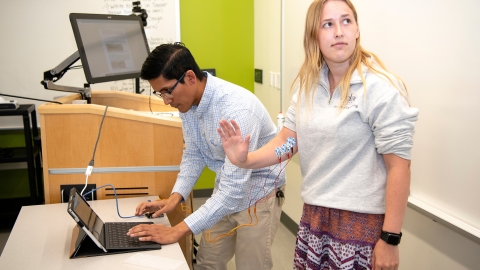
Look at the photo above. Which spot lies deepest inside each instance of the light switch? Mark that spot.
(277, 80)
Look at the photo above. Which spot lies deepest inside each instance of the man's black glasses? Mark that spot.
(168, 93)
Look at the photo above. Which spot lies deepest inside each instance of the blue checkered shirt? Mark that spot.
(235, 188)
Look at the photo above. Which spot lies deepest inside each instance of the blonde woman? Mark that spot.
(353, 126)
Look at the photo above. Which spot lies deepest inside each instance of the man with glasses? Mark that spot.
(243, 213)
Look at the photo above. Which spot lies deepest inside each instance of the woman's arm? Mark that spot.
(398, 186)
(386, 256)
(236, 148)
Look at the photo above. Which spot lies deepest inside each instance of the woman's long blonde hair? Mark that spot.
(309, 73)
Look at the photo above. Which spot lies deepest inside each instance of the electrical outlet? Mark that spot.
(65, 191)
(258, 76)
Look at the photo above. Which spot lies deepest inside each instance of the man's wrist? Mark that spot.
(176, 198)
(181, 230)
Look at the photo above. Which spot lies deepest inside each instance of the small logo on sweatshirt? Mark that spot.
(350, 103)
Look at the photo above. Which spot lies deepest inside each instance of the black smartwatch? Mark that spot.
(391, 238)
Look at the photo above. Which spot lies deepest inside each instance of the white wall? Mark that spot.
(434, 47)
(37, 36)
(435, 36)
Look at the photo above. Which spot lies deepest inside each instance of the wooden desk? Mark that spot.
(41, 238)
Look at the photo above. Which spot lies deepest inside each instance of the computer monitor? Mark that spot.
(111, 47)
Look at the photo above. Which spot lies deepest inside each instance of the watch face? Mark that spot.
(393, 239)
(390, 238)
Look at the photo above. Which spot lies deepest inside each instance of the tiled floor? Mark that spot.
(282, 249)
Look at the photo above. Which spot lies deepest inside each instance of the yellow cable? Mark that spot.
(183, 207)
(233, 231)
(186, 208)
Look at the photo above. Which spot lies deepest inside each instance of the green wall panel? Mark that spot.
(219, 34)
(12, 138)
(13, 182)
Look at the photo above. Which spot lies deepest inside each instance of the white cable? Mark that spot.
(86, 183)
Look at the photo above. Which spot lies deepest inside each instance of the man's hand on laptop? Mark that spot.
(159, 233)
(158, 207)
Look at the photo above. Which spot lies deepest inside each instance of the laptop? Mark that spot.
(108, 236)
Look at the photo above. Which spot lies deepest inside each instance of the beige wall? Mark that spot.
(293, 21)
(426, 244)
(268, 56)
(430, 245)
(267, 51)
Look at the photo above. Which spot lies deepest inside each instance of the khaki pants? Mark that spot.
(250, 245)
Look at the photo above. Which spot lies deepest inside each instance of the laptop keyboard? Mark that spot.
(117, 235)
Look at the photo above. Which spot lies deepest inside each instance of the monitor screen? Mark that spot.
(111, 47)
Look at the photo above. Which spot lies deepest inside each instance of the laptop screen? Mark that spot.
(86, 215)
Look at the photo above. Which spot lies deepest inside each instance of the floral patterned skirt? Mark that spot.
(329, 238)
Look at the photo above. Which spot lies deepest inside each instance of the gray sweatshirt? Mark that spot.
(341, 153)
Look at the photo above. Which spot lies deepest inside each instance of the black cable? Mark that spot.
(98, 137)
(31, 98)
(90, 164)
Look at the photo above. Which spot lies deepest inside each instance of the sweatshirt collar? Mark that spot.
(355, 79)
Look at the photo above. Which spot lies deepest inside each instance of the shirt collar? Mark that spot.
(207, 97)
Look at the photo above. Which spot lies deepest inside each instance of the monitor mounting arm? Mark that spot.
(55, 74)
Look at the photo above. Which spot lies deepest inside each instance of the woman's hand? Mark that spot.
(385, 256)
(234, 146)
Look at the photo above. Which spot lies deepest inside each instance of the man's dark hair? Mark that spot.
(170, 61)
